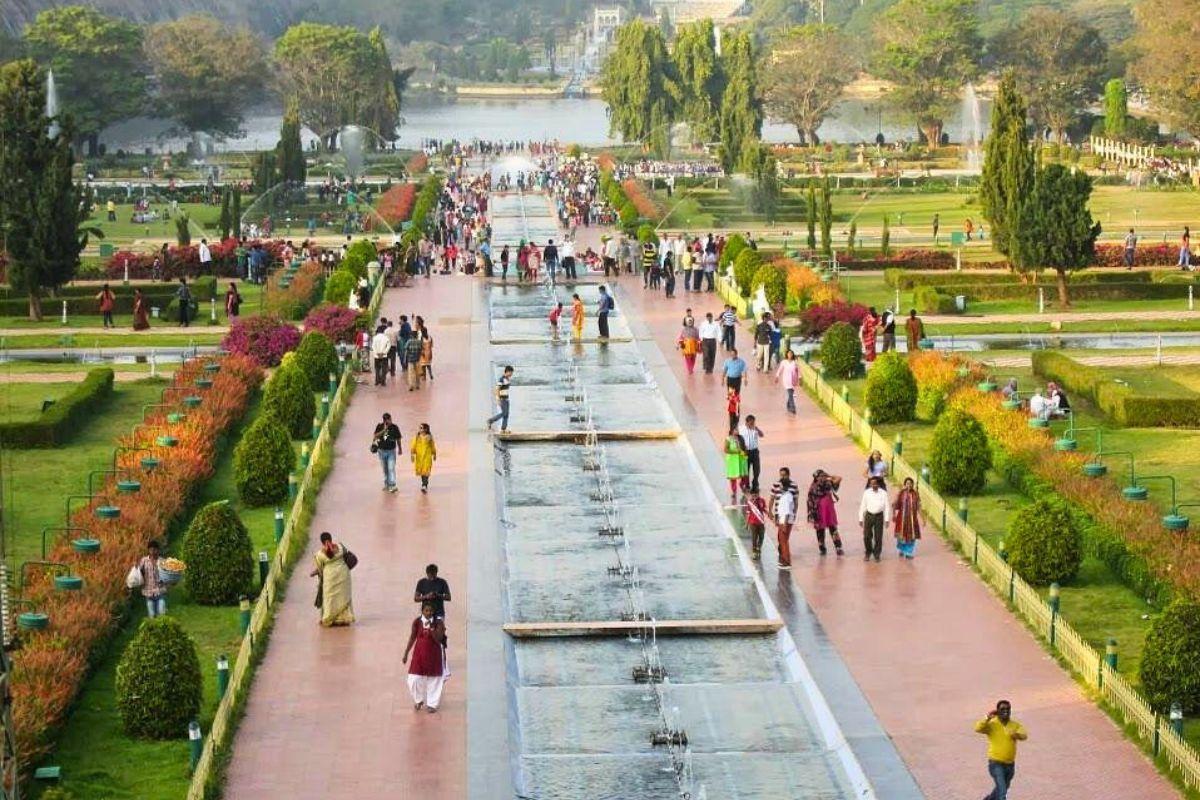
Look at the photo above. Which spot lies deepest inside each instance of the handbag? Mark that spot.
(348, 557)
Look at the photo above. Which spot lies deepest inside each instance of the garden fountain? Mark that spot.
(51, 105)
(972, 128)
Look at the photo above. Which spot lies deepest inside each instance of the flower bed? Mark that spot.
(303, 291)
(635, 190)
(264, 338)
(185, 261)
(817, 319)
(337, 322)
(805, 287)
(49, 668)
(938, 375)
(417, 164)
(1157, 255)
(396, 204)
(905, 259)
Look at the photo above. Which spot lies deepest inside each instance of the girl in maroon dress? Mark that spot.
(427, 673)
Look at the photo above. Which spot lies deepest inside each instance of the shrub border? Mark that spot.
(58, 423)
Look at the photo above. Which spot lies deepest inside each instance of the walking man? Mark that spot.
(728, 327)
(785, 499)
(380, 344)
(386, 445)
(1003, 733)
(709, 331)
(762, 343)
(887, 322)
(502, 387)
(184, 295)
(750, 435)
(936, 224)
(550, 257)
(874, 512)
(1130, 248)
(733, 369)
(412, 360)
(603, 308)
(433, 590)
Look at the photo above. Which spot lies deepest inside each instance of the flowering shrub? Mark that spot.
(817, 319)
(303, 291)
(337, 322)
(937, 376)
(52, 664)
(637, 194)
(606, 162)
(396, 204)
(417, 164)
(264, 338)
(912, 258)
(1157, 255)
(805, 287)
(185, 261)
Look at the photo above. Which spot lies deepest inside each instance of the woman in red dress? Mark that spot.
(867, 334)
(427, 673)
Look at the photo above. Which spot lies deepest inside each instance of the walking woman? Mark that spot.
(233, 301)
(425, 361)
(141, 320)
(822, 512)
(423, 453)
(736, 463)
(906, 518)
(787, 375)
(427, 673)
(877, 467)
(333, 583)
(866, 334)
(689, 343)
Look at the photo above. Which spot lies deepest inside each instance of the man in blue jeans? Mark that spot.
(734, 369)
(502, 387)
(386, 445)
(1003, 733)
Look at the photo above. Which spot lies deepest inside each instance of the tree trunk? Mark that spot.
(35, 307)
(813, 139)
(932, 130)
(93, 145)
(1064, 301)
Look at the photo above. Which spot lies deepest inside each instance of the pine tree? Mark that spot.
(289, 153)
(1116, 108)
(885, 238)
(1057, 229)
(1008, 170)
(852, 236)
(741, 108)
(236, 212)
(826, 220)
(264, 172)
(811, 218)
(225, 221)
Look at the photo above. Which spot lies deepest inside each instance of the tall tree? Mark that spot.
(741, 108)
(289, 153)
(764, 191)
(98, 65)
(550, 49)
(803, 75)
(1167, 67)
(208, 73)
(641, 87)
(826, 219)
(42, 209)
(810, 216)
(701, 80)
(265, 173)
(929, 49)
(225, 221)
(1057, 229)
(1116, 108)
(236, 212)
(1058, 62)
(1008, 170)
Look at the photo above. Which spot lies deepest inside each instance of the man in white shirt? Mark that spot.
(205, 257)
(710, 331)
(567, 255)
(1039, 406)
(750, 434)
(874, 512)
(380, 345)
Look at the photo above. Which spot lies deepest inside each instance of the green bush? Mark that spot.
(358, 255)
(339, 285)
(891, 389)
(219, 555)
(1078, 291)
(901, 278)
(745, 266)
(289, 398)
(929, 300)
(646, 233)
(841, 351)
(628, 216)
(1170, 668)
(158, 681)
(262, 461)
(734, 245)
(959, 454)
(316, 358)
(771, 277)
(1044, 544)
(67, 417)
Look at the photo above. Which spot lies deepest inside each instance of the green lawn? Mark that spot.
(252, 297)
(23, 401)
(100, 340)
(124, 232)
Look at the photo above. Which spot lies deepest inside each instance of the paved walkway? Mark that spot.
(329, 716)
(930, 647)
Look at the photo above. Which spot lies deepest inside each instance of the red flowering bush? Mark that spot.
(1155, 255)
(303, 291)
(264, 338)
(185, 261)
(417, 164)
(912, 258)
(50, 665)
(396, 204)
(817, 319)
(635, 190)
(339, 323)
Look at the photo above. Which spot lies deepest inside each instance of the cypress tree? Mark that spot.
(236, 212)
(1116, 108)
(1008, 171)
(225, 222)
(290, 150)
(885, 238)
(826, 220)
(701, 79)
(811, 217)
(741, 110)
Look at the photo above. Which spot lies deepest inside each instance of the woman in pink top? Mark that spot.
(788, 375)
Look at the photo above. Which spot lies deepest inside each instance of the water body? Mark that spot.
(581, 120)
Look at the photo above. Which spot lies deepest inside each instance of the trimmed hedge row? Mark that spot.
(1079, 291)
(61, 421)
(1120, 403)
(930, 300)
(906, 279)
(156, 294)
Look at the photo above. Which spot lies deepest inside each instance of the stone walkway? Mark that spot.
(930, 647)
(329, 716)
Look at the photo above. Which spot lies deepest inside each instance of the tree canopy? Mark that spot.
(929, 49)
(1008, 169)
(803, 75)
(1058, 62)
(1166, 67)
(641, 86)
(701, 79)
(741, 108)
(208, 72)
(1056, 228)
(97, 61)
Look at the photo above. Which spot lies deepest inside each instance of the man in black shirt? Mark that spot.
(433, 590)
(386, 445)
(888, 323)
(502, 387)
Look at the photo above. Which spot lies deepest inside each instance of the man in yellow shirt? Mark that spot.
(1003, 733)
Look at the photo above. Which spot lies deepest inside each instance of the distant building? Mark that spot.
(683, 11)
(605, 22)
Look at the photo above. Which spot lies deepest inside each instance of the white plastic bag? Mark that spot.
(134, 579)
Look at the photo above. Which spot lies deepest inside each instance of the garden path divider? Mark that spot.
(1107, 686)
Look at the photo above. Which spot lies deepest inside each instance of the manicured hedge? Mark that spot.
(1120, 403)
(905, 279)
(65, 418)
(1132, 290)
(1044, 545)
(930, 300)
(79, 303)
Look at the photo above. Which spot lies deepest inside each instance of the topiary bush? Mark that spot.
(1170, 668)
(646, 233)
(960, 455)
(339, 285)
(841, 351)
(358, 255)
(158, 681)
(316, 358)
(774, 282)
(262, 461)
(1044, 544)
(747, 263)
(734, 245)
(219, 555)
(929, 300)
(891, 389)
(264, 338)
(289, 398)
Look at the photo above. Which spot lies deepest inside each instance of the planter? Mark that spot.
(925, 344)
(191, 401)
(149, 463)
(129, 486)
(108, 512)
(204, 383)
(1038, 422)
(1066, 445)
(176, 417)
(1137, 493)
(212, 366)
(1010, 405)
(68, 583)
(1094, 469)
(166, 441)
(986, 386)
(1175, 522)
(85, 545)
(33, 621)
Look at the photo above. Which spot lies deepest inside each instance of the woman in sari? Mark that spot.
(141, 321)
(427, 673)
(423, 453)
(866, 334)
(576, 317)
(906, 517)
(689, 343)
(333, 583)
(736, 463)
(822, 508)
